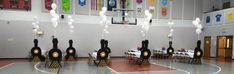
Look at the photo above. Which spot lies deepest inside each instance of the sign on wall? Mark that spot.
(82, 7)
(111, 4)
(82, 2)
(96, 6)
(229, 15)
(207, 19)
(151, 4)
(218, 17)
(66, 6)
(16, 4)
(139, 5)
(46, 5)
(164, 9)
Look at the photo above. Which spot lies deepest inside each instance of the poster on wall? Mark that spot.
(164, 9)
(96, 6)
(16, 4)
(66, 6)
(111, 4)
(229, 15)
(46, 5)
(139, 5)
(151, 5)
(82, 7)
(82, 2)
(218, 17)
(207, 19)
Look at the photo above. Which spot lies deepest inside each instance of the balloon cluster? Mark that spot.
(104, 22)
(146, 24)
(70, 24)
(35, 24)
(198, 26)
(170, 35)
(36, 28)
(55, 16)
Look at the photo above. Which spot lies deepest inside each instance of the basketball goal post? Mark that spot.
(123, 16)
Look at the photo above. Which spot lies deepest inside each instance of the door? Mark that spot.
(228, 49)
(207, 46)
(224, 46)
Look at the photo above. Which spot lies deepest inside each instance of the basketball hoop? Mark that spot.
(124, 16)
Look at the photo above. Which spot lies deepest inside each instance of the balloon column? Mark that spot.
(104, 22)
(70, 24)
(55, 16)
(198, 26)
(145, 26)
(170, 35)
(36, 28)
(198, 53)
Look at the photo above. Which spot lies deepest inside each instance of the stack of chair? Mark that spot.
(70, 52)
(55, 55)
(183, 55)
(192, 57)
(140, 56)
(100, 57)
(160, 53)
(36, 53)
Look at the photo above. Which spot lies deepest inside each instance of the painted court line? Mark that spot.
(35, 66)
(113, 70)
(174, 68)
(215, 66)
(7, 65)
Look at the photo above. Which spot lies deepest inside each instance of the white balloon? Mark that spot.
(147, 12)
(37, 27)
(104, 9)
(198, 20)
(70, 23)
(71, 20)
(34, 30)
(33, 24)
(198, 31)
(195, 22)
(53, 6)
(52, 12)
(54, 20)
(171, 30)
(106, 26)
(56, 16)
(69, 17)
(107, 32)
(35, 18)
(72, 27)
(104, 30)
(199, 26)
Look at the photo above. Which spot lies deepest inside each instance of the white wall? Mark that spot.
(214, 31)
(16, 38)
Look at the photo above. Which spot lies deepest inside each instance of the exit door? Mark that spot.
(224, 46)
(207, 46)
